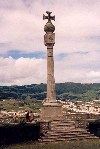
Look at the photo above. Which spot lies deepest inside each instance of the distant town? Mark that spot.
(20, 109)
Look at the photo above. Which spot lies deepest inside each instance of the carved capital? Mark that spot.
(49, 39)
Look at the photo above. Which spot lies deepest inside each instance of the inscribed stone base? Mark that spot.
(51, 112)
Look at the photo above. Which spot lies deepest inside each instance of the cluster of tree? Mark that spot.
(64, 91)
(16, 133)
(94, 127)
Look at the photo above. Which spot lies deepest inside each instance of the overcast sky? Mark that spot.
(77, 47)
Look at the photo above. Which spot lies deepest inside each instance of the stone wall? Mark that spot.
(82, 119)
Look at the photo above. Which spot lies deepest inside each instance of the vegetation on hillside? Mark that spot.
(69, 90)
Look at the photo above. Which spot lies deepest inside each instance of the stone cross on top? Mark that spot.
(49, 17)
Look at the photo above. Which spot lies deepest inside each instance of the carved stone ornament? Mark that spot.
(49, 38)
(49, 27)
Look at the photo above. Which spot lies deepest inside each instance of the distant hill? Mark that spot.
(68, 90)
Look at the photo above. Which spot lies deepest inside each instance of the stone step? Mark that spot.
(55, 122)
(51, 137)
(62, 128)
(53, 134)
(62, 131)
(64, 124)
(63, 121)
(90, 134)
(78, 130)
(48, 140)
(85, 132)
(69, 122)
(61, 124)
(71, 133)
(91, 137)
(66, 139)
(66, 136)
(56, 133)
(82, 135)
(59, 135)
(61, 139)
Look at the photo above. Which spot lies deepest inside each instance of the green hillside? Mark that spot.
(69, 90)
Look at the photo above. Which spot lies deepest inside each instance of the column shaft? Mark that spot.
(51, 95)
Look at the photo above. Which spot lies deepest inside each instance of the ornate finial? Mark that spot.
(49, 17)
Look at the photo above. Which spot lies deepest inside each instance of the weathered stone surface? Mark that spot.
(51, 109)
(58, 131)
(49, 27)
(51, 112)
(49, 41)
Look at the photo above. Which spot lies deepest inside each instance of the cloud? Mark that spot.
(21, 71)
(76, 67)
(76, 21)
(77, 47)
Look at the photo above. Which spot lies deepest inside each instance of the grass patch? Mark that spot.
(91, 144)
(16, 105)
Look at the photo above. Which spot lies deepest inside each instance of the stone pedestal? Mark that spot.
(51, 111)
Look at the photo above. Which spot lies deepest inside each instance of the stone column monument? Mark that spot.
(49, 41)
(51, 109)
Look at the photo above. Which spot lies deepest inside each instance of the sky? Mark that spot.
(77, 45)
